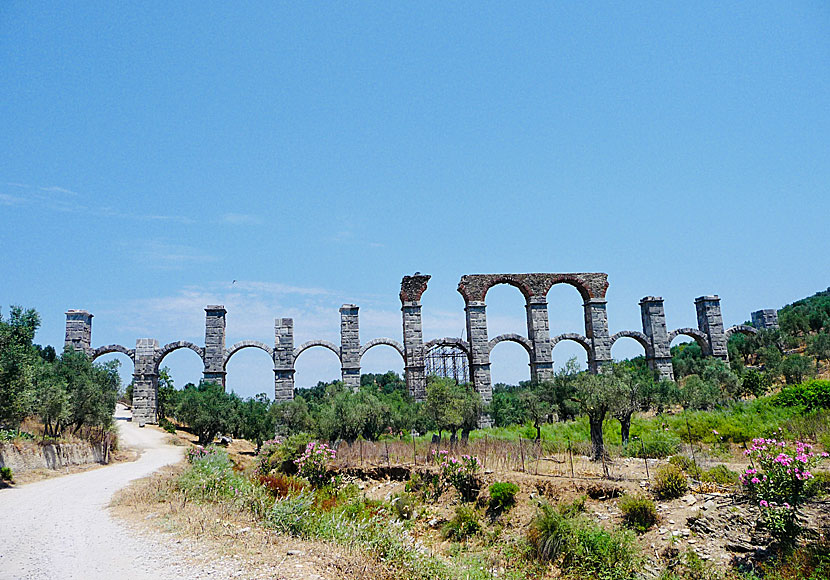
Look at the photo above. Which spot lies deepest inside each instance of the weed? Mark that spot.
(292, 515)
(721, 475)
(280, 485)
(655, 445)
(819, 485)
(6, 474)
(639, 512)
(404, 505)
(684, 463)
(502, 496)
(669, 482)
(464, 524)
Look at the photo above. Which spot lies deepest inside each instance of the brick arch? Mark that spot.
(741, 329)
(110, 348)
(638, 336)
(512, 337)
(577, 338)
(591, 285)
(236, 347)
(458, 343)
(311, 343)
(385, 341)
(170, 347)
(698, 336)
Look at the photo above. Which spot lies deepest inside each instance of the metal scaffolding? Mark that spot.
(448, 362)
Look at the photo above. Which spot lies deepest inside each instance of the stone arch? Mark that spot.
(102, 350)
(577, 338)
(474, 287)
(740, 329)
(698, 336)
(236, 347)
(170, 347)
(449, 341)
(386, 341)
(512, 337)
(638, 336)
(509, 280)
(324, 343)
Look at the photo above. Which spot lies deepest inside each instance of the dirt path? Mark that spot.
(60, 528)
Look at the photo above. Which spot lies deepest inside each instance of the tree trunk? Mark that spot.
(538, 431)
(597, 444)
(625, 427)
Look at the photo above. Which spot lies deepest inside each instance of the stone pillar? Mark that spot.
(215, 344)
(654, 327)
(765, 319)
(479, 352)
(78, 330)
(710, 322)
(350, 346)
(538, 332)
(596, 331)
(283, 359)
(412, 288)
(145, 382)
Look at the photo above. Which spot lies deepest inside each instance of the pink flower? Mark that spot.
(763, 503)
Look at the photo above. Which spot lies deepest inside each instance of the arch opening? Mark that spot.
(250, 371)
(314, 363)
(509, 362)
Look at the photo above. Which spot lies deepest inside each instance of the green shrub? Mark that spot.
(721, 475)
(404, 505)
(819, 485)
(503, 496)
(811, 395)
(654, 445)
(639, 512)
(569, 510)
(582, 547)
(461, 473)
(669, 482)
(464, 524)
(428, 485)
(292, 515)
(690, 566)
(165, 424)
(6, 474)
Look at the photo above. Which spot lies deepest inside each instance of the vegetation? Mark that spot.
(669, 482)
(639, 512)
(502, 496)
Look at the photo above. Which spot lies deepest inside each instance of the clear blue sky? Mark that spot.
(317, 152)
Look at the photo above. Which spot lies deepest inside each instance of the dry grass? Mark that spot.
(153, 504)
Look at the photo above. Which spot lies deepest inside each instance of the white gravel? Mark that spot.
(60, 528)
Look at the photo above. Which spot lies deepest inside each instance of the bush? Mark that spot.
(313, 464)
(582, 547)
(462, 475)
(654, 445)
(428, 485)
(6, 474)
(721, 475)
(811, 395)
(503, 496)
(669, 482)
(404, 505)
(464, 524)
(281, 485)
(165, 424)
(684, 463)
(639, 512)
(818, 485)
(292, 515)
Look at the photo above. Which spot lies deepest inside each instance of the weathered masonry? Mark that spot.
(655, 338)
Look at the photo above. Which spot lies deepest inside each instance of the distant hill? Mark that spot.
(807, 315)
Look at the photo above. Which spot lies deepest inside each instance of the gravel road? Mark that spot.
(60, 528)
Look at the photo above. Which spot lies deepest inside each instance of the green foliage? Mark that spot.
(165, 424)
(811, 395)
(795, 368)
(450, 407)
(819, 347)
(210, 477)
(429, 486)
(6, 474)
(208, 410)
(808, 315)
(503, 496)
(17, 362)
(292, 417)
(721, 475)
(669, 482)
(167, 395)
(465, 523)
(639, 512)
(581, 547)
(689, 566)
(462, 474)
(756, 383)
(292, 515)
(684, 463)
(654, 445)
(256, 421)
(404, 505)
(313, 464)
(818, 485)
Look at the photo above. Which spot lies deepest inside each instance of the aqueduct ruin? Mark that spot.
(655, 338)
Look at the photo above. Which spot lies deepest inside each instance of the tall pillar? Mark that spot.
(78, 330)
(654, 327)
(215, 344)
(765, 319)
(541, 358)
(412, 288)
(479, 350)
(350, 346)
(596, 331)
(145, 382)
(283, 359)
(710, 322)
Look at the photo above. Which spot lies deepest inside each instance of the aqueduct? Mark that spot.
(655, 338)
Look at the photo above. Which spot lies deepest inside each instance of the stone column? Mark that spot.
(541, 358)
(283, 359)
(350, 345)
(765, 319)
(412, 288)
(145, 382)
(215, 344)
(479, 352)
(596, 331)
(654, 327)
(710, 322)
(79, 330)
